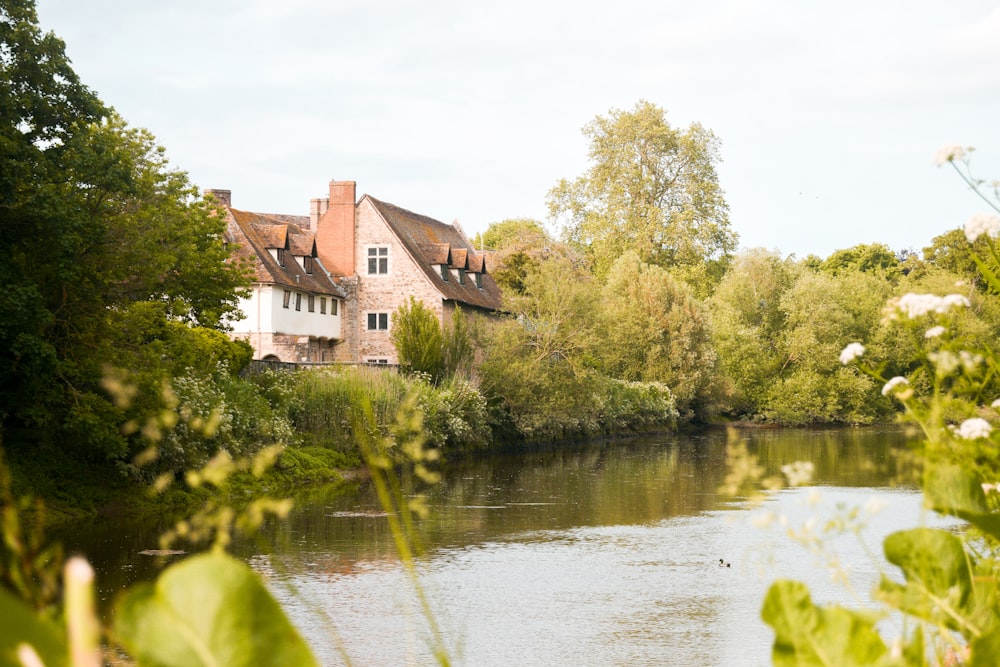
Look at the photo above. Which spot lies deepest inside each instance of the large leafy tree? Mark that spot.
(657, 332)
(749, 326)
(822, 311)
(93, 223)
(651, 188)
(538, 365)
(875, 258)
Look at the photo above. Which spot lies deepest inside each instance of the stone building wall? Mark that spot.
(385, 293)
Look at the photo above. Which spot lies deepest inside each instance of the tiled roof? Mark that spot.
(255, 233)
(424, 238)
(460, 258)
(437, 253)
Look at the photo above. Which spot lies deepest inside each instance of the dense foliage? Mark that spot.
(652, 189)
(946, 587)
(112, 259)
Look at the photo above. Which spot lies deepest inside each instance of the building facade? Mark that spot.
(367, 256)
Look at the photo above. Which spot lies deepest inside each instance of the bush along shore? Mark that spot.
(305, 418)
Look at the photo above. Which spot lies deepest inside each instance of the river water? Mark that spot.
(605, 554)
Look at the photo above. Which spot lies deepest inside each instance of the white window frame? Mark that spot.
(380, 255)
(379, 316)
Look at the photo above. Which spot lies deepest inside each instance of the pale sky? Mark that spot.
(828, 114)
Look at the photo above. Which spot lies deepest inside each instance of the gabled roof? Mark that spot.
(426, 239)
(255, 233)
(460, 258)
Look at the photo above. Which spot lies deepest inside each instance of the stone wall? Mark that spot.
(385, 293)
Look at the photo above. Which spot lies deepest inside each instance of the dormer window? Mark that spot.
(461, 276)
(307, 263)
(444, 272)
(280, 256)
(479, 280)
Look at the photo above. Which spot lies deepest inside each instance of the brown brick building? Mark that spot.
(367, 257)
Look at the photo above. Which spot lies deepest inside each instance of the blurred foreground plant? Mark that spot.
(948, 595)
(209, 609)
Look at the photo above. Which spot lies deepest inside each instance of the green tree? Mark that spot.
(539, 365)
(651, 188)
(43, 106)
(458, 351)
(822, 311)
(874, 258)
(416, 334)
(656, 331)
(92, 222)
(748, 324)
(518, 247)
(952, 252)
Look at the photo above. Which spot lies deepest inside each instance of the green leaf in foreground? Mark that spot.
(952, 490)
(19, 625)
(207, 610)
(806, 635)
(938, 580)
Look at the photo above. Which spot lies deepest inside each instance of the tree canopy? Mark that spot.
(652, 189)
(93, 223)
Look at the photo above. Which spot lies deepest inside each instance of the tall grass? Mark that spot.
(322, 412)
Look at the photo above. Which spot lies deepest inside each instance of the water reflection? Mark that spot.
(598, 555)
(593, 555)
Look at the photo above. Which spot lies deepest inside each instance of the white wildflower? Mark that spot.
(969, 361)
(893, 383)
(989, 488)
(934, 332)
(953, 300)
(874, 506)
(851, 352)
(913, 305)
(982, 223)
(973, 429)
(945, 361)
(798, 473)
(949, 153)
(995, 404)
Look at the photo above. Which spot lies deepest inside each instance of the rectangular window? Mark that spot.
(287, 299)
(479, 280)
(307, 264)
(378, 321)
(378, 260)
(312, 303)
(281, 256)
(461, 276)
(298, 301)
(444, 272)
(333, 306)
(322, 305)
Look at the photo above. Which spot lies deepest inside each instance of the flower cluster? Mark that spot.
(973, 429)
(934, 332)
(946, 361)
(982, 223)
(891, 385)
(851, 352)
(912, 306)
(798, 473)
(950, 153)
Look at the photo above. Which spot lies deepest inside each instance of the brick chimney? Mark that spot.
(224, 197)
(335, 229)
(317, 207)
